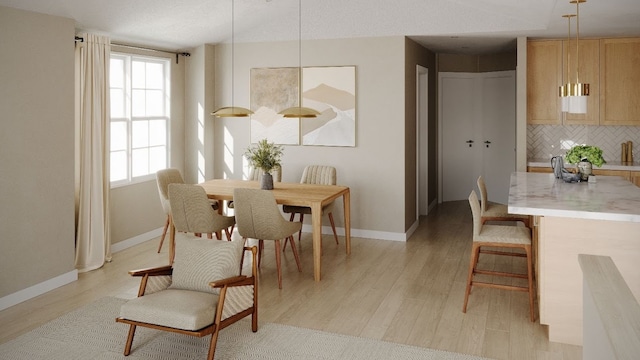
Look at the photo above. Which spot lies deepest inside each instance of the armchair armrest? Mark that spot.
(232, 281)
(155, 271)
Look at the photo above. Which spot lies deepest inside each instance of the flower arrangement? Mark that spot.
(264, 155)
(590, 153)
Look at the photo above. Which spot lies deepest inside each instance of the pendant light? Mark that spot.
(564, 89)
(232, 111)
(578, 92)
(299, 111)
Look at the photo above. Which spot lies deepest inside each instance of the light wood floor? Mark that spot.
(408, 293)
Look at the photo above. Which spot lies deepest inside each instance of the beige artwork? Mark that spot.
(272, 90)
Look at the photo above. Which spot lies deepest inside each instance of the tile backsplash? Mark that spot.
(544, 141)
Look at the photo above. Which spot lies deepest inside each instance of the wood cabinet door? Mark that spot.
(635, 177)
(588, 60)
(619, 79)
(625, 174)
(544, 77)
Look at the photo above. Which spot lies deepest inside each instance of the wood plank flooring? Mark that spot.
(404, 292)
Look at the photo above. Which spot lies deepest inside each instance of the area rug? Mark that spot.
(91, 332)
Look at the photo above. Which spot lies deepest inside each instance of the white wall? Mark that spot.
(374, 169)
(36, 153)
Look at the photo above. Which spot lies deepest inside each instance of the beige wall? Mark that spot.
(375, 168)
(418, 55)
(477, 63)
(36, 149)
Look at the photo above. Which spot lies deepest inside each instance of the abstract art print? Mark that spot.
(332, 91)
(272, 90)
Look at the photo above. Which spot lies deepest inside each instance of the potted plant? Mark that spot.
(266, 156)
(584, 156)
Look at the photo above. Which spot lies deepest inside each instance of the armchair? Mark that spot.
(202, 293)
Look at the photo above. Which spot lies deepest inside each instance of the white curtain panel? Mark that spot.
(93, 242)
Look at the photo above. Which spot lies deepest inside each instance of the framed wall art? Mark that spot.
(332, 91)
(272, 90)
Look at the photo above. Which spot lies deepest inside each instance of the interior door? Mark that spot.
(458, 111)
(499, 133)
(477, 117)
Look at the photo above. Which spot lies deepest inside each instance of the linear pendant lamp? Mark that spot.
(564, 89)
(579, 91)
(299, 111)
(232, 111)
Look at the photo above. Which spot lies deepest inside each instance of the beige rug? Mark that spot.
(92, 333)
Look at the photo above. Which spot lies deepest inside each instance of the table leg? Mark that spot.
(316, 222)
(346, 200)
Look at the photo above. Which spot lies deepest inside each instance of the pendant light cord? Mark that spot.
(233, 45)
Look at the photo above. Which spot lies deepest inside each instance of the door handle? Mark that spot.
(487, 142)
(470, 142)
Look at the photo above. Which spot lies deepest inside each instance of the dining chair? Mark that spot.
(492, 211)
(163, 179)
(258, 217)
(191, 211)
(319, 175)
(502, 238)
(201, 293)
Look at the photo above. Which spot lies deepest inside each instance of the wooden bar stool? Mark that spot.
(498, 236)
(492, 211)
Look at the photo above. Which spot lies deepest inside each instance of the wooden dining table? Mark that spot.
(297, 194)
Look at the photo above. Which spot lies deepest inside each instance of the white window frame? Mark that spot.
(129, 119)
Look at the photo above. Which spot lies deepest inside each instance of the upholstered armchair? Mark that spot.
(202, 293)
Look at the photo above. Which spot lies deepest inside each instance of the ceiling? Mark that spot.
(444, 26)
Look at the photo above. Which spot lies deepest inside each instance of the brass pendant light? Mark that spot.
(579, 91)
(232, 111)
(299, 111)
(564, 89)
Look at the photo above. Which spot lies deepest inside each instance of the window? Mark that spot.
(140, 99)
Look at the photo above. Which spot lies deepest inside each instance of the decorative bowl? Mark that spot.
(571, 177)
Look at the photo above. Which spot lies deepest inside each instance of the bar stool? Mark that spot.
(498, 236)
(492, 211)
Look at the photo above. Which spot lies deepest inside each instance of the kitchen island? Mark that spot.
(601, 218)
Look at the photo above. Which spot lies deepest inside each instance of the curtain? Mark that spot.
(93, 243)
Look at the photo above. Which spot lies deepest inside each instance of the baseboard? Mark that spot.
(139, 239)
(38, 289)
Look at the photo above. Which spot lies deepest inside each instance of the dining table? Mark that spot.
(296, 194)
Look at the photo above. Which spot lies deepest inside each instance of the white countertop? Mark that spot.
(609, 165)
(609, 198)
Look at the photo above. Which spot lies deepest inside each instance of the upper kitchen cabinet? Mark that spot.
(587, 57)
(619, 78)
(544, 77)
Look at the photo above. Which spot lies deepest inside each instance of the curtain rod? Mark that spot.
(186, 54)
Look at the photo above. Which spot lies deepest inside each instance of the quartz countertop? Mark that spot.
(609, 198)
(609, 165)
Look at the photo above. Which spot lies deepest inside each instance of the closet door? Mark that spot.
(477, 118)
(460, 124)
(498, 128)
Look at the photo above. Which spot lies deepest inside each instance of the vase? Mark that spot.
(266, 182)
(584, 169)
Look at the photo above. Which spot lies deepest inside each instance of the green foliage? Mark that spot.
(592, 154)
(264, 155)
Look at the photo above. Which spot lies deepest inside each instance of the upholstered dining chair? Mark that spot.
(202, 293)
(492, 211)
(319, 175)
(498, 239)
(259, 217)
(191, 211)
(163, 179)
